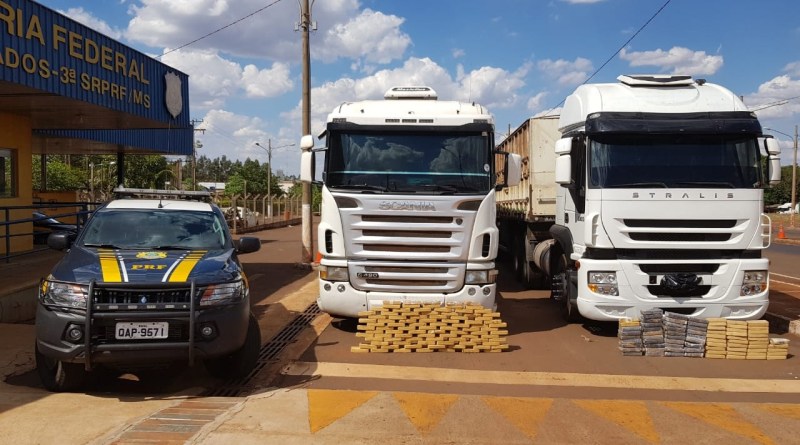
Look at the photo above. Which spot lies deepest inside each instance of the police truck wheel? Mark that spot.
(58, 376)
(239, 363)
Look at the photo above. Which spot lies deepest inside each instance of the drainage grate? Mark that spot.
(269, 352)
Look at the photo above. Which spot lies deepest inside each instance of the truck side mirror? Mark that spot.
(307, 164)
(307, 167)
(513, 170)
(774, 160)
(564, 170)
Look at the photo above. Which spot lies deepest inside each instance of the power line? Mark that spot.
(641, 28)
(219, 29)
(775, 104)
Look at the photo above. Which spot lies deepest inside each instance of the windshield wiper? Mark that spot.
(364, 187)
(439, 188)
(103, 246)
(169, 247)
(708, 184)
(637, 185)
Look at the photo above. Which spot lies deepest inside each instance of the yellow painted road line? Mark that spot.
(325, 369)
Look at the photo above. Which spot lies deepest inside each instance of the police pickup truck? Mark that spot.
(152, 281)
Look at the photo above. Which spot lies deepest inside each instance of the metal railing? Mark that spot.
(79, 217)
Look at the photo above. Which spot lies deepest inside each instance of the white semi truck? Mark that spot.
(658, 204)
(408, 202)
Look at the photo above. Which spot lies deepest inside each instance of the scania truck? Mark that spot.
(408, 202)
(659, 202)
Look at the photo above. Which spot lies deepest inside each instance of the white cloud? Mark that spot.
(492, 87)
(256, 29)
(268, 82)
(566, 73)
(536, 102)
(373, 36)
(458, 53)
(677, 60)
(213, 78)
(234, 136)
(770, 97)
(86, 18)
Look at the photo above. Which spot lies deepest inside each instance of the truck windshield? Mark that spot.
(405, 162)
(674, 161)
(154, 229)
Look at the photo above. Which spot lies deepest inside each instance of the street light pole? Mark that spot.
(269, 171)
(305, 26)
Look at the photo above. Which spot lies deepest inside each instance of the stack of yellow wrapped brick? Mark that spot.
(743, 340)
(415, 327)
(778, 349)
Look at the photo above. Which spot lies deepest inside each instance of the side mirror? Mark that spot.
(564, 170)
(60, 240)
(564, 146)
(774, 170)
(307, 166)
(513, 170)
(307, 142)
(248, 244)
(772, 146)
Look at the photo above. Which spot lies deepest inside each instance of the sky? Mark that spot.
(518, 58)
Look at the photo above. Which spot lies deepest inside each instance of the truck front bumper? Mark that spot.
(341, 299)
(722, 299)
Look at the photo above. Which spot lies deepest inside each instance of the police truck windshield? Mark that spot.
(670, 161)
(154, 229)
(409, 162)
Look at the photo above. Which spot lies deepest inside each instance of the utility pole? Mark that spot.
(794, 180)
(305, 25)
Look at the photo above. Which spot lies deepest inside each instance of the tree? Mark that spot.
(60, 176)
(782, 192)
(147, 171)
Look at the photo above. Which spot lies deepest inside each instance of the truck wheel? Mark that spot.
(568, 292)
(58, 376)
(531, 275)
(239, 363)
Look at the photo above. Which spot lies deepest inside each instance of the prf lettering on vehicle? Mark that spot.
(125, 267)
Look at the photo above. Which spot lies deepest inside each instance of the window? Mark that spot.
(8, 173)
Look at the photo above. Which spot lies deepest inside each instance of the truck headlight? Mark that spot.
(225, 293)
(333, 273)
(754, 282)
(56, 293)
(480, 276)
(604, 283)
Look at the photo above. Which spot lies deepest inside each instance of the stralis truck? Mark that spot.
(408, 202)
(658, 203)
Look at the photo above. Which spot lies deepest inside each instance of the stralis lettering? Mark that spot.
(407, 205)
(685, 195)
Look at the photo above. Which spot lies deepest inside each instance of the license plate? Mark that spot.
(142, 330)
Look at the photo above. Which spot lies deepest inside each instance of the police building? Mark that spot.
(67, 89)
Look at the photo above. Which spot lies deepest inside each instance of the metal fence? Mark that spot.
(70, 213)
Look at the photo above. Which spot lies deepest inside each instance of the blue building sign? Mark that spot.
(47, 51)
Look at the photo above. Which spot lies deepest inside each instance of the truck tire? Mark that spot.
(564, 280)
(58, 376)
(239, 363)
(531, 275)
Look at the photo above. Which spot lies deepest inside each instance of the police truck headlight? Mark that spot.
(604, 283)
(225, 293)
(480, 277)
(56, 293)
(753, 282)
(333, 273)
